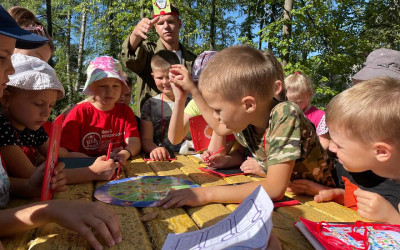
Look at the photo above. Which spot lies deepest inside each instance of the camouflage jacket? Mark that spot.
(289, 136)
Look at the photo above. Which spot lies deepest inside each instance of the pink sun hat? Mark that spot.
(104, 67)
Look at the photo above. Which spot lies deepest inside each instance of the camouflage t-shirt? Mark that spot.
(289, 136)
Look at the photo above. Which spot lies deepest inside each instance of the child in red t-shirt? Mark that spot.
(91, 126)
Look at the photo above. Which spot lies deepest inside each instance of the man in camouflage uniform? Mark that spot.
(137, 53)
(289, 136)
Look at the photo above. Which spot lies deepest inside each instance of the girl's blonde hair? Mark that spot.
(298, 84)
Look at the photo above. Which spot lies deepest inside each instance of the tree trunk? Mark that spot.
(212, 26)
(272, 20)
(81, 45)
(262, 20)
(68, 53)
(287, 29)
(111, 16)
(49, 25)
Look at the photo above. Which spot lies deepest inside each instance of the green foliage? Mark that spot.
(329, 41)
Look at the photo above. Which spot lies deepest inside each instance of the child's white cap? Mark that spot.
(31, 73)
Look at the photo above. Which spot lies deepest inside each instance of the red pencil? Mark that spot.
(109, 151)
(216, 152)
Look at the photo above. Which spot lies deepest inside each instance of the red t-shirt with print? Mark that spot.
(89, 130)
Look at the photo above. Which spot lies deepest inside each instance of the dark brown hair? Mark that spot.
(27, 20)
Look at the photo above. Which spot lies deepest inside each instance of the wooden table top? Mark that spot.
(152, 234)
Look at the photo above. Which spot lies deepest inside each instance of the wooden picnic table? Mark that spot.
(152, 234)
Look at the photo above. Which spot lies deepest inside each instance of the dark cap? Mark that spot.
(25, 39)
(380, 62)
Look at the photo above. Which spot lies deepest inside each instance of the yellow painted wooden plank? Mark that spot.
(165, 168)
(138, 168)
(167, 221)
(231, 207)
(134, 234)
(335, 210)
(200, 177)
(137, 158)
(305, 211)
(290, 237)
(76, 192)
(19, 240)
(254, 177)
(195, 159)
(237, 179)
(208, 215)
(184, 159)
(53, 236)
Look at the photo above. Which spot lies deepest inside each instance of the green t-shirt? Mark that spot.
(192, 109)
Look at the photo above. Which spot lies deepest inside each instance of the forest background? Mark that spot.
(327, 40)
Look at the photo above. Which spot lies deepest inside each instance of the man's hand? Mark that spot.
(143, 27)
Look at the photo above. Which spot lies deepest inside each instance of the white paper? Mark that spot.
(249, 227)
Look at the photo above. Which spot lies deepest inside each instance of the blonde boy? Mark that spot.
(238, 87)
(364, 122)
(156, 111)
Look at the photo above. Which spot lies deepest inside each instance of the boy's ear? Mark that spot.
(278, 87)
(383, 151)
(152, 75)
(249, 104)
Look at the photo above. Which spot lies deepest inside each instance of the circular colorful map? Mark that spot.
(142, 191)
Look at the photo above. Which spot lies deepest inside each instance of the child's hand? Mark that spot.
(334, 194)
(179, 93)
(190, 196)
(180, 76)
(81, 216)
(119, 157)
(214, 161)
(159, 154)
(307, 187)
(373, 206)
(251, 166)
(103, 170)
(59, 179)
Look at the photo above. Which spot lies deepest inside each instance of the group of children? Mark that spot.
(241, 93)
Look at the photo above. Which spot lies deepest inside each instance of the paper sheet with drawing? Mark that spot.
(249, 226)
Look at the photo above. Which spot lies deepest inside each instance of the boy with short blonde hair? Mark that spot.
(236, 94)
(368, 111)
(245, 71)
(156, 111)
(364, 122)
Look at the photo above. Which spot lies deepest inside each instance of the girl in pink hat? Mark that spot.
(92, 126)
